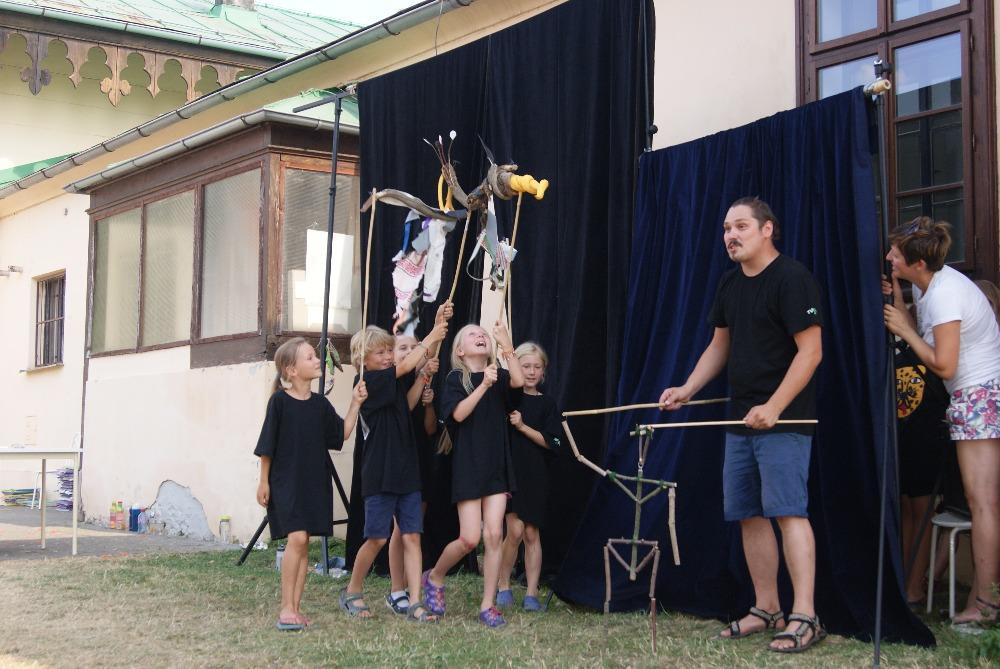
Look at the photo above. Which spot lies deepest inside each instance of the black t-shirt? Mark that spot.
(763, 313)
(390, 462)
(297, 435)
(480, 457)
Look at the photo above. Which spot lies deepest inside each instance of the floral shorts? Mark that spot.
(974, 412)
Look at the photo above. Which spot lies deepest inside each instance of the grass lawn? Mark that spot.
(200, 610)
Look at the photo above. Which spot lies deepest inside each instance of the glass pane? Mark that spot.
(909, 156)
(838, 18)
(166, 281)
(949, 205)
(945, 205)
(845, 76)
(116, 283)
(905, 9)
(946, 148)
(306, 205)
(929, 75)
(231, 255)
(929, 151)
(908, 208)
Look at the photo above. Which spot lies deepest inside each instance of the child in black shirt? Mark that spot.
(299, 429)
(534, 437)
(476, 399)
(390, 475)
(420, 400)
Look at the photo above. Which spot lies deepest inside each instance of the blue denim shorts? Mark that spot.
(766, 475)
(380, 509)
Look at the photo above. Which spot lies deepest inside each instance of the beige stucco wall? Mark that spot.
(150, 418)
(49, 239)
(713, 73)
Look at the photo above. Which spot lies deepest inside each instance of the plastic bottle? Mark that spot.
(142, 522)
(278, 555)
(225, 530)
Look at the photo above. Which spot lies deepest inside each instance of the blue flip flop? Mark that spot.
(290, 627)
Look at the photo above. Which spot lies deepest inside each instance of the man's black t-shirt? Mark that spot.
(389, 463)
(763, 313)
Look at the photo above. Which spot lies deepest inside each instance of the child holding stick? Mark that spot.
(300, 427)
(476, 399)
(390, 475)
(534, 436)
(420, 400)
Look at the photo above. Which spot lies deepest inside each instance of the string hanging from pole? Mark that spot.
(368, 265)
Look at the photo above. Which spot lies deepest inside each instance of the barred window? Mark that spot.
(50, 311)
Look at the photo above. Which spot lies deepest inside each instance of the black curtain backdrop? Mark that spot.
(813, 165)
(562, 96)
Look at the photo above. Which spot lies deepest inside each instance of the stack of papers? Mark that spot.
(65, 500)
(17, 496)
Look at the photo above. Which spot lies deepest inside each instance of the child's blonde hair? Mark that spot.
(531, 348)
(367, 340)
(284, 358)
(457, 362)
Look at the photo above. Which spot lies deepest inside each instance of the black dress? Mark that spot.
(297, 435)
(531, 461)
(481, 462)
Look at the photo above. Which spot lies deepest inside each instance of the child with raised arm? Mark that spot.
(534, 438)
(420, 400)
(476, 399)
(390, 475)
(300, 427)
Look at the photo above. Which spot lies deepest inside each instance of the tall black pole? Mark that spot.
(338, 98)
(889, 441)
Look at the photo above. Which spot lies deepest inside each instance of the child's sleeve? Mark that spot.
(333, 428)
(451, 395)
(267, 442)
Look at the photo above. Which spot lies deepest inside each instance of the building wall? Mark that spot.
(150, 419)
(50, 238)
(712, 73)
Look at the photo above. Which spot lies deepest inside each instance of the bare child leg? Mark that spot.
(493, 511)
(413, 564)
(300, 582)
(362, 564)
(397, 575)
(532, 558)
(515, 532)
(290, 566)
(470, 520)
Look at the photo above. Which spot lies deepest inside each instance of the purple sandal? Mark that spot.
(433, 594)
(492, 618)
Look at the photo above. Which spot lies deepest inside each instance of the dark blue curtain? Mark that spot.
(813, 165)
(562, 95)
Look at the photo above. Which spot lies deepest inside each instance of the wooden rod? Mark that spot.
(631, 407)
(713, 423)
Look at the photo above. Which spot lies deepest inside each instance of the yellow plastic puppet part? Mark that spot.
(444, 204)
(525, 183)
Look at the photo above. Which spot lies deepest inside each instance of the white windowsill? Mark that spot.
(32, 370)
